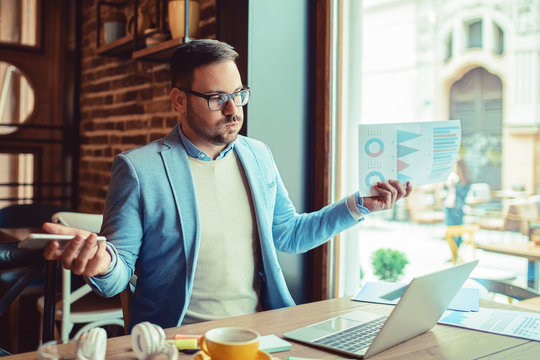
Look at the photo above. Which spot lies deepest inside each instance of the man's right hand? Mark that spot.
(83, 255)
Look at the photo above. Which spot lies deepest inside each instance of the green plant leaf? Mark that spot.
(388, 264)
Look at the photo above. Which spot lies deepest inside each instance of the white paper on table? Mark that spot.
(521, 324)
(420, 152)
(376, 292)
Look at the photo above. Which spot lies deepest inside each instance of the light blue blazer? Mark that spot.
(151, 219)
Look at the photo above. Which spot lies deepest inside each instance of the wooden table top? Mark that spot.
(442, 342)
(530, 304)
(527, 250)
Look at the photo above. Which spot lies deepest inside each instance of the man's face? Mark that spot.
(207, 128)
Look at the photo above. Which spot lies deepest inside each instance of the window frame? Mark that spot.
(322, 159)
(38, 47)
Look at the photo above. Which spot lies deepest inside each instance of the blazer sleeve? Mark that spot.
(122, 225)
(298, 233)
(293, 232)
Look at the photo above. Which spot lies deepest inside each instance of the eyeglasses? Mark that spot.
(217, 102)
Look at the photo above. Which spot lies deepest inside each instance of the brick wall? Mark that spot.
(123, 104)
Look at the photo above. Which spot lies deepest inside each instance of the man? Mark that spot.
(199, 214)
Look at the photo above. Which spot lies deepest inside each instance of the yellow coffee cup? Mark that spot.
(231, 343)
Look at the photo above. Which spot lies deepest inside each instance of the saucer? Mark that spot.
(261, 355)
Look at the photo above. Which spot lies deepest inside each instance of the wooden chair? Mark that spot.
(516, 216)
(534, 231)
(424, 205)
(82, 305)
(526, 297)
(125, 298)
(466, 232)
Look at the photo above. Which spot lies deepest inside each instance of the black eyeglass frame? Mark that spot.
(208, 97)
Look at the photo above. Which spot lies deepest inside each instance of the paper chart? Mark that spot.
(420, 152)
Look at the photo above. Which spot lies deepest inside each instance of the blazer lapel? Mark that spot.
(258, 189)
(176, 163)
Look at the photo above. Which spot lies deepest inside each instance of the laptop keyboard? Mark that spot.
(354, 339)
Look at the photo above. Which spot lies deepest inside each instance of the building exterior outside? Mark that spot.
(430, 60)
(477, 61)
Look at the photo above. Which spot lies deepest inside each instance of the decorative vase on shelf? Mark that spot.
(143, 21)
(177, 19)
(154, 37)
(114, 26)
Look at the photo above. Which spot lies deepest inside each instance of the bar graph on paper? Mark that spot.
(519, 324)
(420, 152)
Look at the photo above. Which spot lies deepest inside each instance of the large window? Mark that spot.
(19, 22)
(37, 111)
(422, 62)
(474, 30)
(16, 97)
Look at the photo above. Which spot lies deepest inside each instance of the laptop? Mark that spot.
(363, 334)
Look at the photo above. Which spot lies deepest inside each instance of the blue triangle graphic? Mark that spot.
(403, 178)
(403, 135)
(404, 150)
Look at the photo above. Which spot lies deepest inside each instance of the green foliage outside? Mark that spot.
(388, 264)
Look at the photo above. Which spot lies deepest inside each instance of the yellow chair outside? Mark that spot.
(466, 232)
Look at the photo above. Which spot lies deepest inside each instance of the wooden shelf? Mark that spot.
(126, 48)
(160, 52)
(123, 47)
(120, 47)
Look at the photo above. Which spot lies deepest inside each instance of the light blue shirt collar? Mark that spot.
(195, 152)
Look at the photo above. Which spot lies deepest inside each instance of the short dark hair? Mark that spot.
(196, 53)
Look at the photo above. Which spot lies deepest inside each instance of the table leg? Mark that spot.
(532, 274)
(50, 301)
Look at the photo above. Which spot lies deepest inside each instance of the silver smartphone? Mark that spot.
(39, 241)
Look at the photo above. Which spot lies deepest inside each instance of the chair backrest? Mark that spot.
(109, 314)
(90, 222)
(479, 193)
(508, 289)
(520, 213)
(424, 204)
(27, 215)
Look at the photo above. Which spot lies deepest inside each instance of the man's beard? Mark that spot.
(218, 135)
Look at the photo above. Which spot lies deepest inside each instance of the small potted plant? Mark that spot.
(388, 264)
(114, 26)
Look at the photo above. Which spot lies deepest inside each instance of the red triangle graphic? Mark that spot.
(401, 165)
